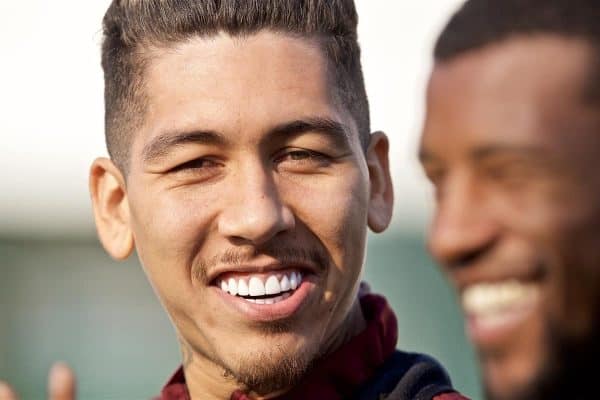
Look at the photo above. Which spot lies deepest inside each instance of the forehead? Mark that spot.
(522, 89)
(235, 84)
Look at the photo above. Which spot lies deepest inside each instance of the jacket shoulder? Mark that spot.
(409, 376)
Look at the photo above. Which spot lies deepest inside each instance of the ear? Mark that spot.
(381, 203)
(111, 208)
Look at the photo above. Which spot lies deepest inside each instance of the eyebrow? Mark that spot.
(502, 149)
(161, 145)
(336, 131)
(489, 151)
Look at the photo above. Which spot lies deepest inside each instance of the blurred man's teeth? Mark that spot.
(255, 287)
(492, 300)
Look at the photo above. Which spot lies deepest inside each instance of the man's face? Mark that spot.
(512, 147)
(249, 196)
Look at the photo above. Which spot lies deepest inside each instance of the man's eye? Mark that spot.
(303, 157)
(300, 155)
(511, 175)
(196, 164)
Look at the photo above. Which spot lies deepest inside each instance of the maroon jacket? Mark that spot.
(367, 367)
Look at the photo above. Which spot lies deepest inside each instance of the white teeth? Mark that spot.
(269, 301)
(293, 281)
(260, 301)
(491, 298)
(242, 288)
(232, 285)
(256, 287)
(272, 285)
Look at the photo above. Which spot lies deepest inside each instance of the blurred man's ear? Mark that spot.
(381, 202)
(111, 208)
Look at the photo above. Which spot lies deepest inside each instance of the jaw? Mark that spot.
(513, 366)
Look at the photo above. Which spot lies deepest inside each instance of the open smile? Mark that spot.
(495, 310)
(266, 296)
(262, 289)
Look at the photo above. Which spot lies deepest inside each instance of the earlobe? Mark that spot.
(381, 202)
(111, 208)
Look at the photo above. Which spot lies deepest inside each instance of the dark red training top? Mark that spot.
(341, 374)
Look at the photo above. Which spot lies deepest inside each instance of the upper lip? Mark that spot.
(262, 268)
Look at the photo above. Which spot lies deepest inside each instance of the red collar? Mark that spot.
(339, 374)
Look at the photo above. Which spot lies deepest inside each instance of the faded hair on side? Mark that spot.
(131, 26)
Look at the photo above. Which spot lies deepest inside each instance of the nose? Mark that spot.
(464, 227)
(254, 213)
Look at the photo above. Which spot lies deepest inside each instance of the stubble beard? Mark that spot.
(278, 368)
(272, 371)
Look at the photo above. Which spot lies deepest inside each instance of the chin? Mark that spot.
(513, 375)
(497, 388)
(273, 369)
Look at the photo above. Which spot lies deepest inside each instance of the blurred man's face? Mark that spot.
(249, 197)
(512, 147)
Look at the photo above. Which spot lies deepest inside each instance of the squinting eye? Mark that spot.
(198, 163)
(300, 154)
(302, 159)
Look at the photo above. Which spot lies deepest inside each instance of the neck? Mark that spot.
(205, 379)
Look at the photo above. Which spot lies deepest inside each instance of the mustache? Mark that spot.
(316, 257)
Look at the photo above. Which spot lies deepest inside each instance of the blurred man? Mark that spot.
(511, 143)
(244, 173)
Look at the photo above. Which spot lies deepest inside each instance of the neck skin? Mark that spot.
(208, 381)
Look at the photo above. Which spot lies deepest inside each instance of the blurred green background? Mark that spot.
(67, 300)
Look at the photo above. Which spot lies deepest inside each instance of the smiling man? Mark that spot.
(511, 143)
(244, 174)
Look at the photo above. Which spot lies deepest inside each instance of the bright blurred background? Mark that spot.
(62, 298)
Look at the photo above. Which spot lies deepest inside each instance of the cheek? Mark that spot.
(564, 233)
(334, 209)
(335, 213)
(577, 278)
(167, 228)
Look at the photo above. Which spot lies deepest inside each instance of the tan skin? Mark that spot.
(511, 146)
(251, 182)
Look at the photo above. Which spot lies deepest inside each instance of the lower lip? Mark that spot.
(486, 334)
(270, 312)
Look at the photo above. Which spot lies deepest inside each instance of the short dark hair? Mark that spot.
(480, 23)
(131, 26)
